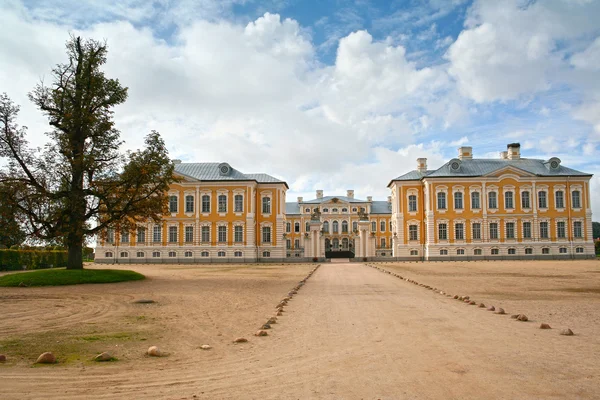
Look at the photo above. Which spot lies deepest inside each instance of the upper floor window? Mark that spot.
(297, 227)
(205, 203)
(326, 226)
(238, 234)
(542, 200)
(458, 200)
(307, 227)
(560, 230)
(354, 226)
(141, 235)
(189, 203)
(344, 226)
(206, 234)
(527, 230)
(576, 199)
(525, 201)
(288, 227)
(412, 232)
(173, 204)
(492, 200)
(477, 230)
(577, 229)
(459, 231)
(266, 205)
(110, 235)
(475, 201)
(156, 233)
(382, 226)
(238, 203)
(373, 226)
(442, 231)
(493, 230)
(508, 200)
(412, 203)
(344, 210)
(173, 234)
(560, 199)
(441, 201)
(544, 230)
(382, 243)
(510, 230)
(266, 234)
(335, 226)
(124, 236)
(189, 234)
(222, 203)
(222, 233)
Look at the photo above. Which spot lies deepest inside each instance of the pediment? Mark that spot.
(510, 171)
(336, 201)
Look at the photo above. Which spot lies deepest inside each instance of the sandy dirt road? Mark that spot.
(351, 333)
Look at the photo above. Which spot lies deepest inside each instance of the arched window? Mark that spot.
(140, 254)
(288, 227)
(205, 203)
(296, 227)
(492, 200)
(238, 201)
(475, 203)
(237, 254)
(266, 254)
(326, 226)
(108, 254)
(576, 199)
(344, 226)
(373, 226)
(222, 207)
(344, 210)
(266, 205)
(441, 201)
(412, 203)
(458, 200)
(172, 254)
(345, 243)
(307, 227)
(189, 203)
(335, 227)
(124, 254)
(354, 226)
(204, 254)
(509, 200)
(188, 254)
(156, 254)
(221, 254)
(336, 243)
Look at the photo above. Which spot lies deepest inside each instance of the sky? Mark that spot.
(331, 95)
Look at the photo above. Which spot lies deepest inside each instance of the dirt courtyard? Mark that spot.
(352, 332)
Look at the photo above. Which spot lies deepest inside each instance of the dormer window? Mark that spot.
(224, 169)
(553, 164)
(454, 165)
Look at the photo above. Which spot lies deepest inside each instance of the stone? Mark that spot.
(154, 351)
(105, 356)
(261, 333)
(481, 305)
(272, 320)
(240, 340)
(500, 311)
(144, 301)
(266, 326)
(46, 358)
(545, 326)
(466, 301)
(466, 297)
(206, 347)
(491, 308)
(279, 313)
(514, 316)
(472, 302)
(455, 296)
(2, 358)
(522, 317)
(566, 332)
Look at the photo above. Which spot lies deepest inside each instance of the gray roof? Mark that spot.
(381, 207)
(292, 208)
(210, 172)
(481, 167)
(329, 198)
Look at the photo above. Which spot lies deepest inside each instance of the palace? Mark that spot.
(505, 208)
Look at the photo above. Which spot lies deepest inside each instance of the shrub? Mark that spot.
(315, 259)
(597, 244)
(13, 260)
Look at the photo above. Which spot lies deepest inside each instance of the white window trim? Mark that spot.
(238, 192)
(441, 189)
(458, 189)
(176, 194)
(189, 192)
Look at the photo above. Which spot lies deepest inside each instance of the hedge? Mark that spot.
(13, 260)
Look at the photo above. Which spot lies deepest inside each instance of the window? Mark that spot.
(326, 210)
(238, 203)
(334, 210)
(460, 252)
(222, 234)
(238, 234)
(222, 206)
(560, 199)
(188, 254)
(475, 201)
(459, 231)
(492, 200)
(512, 251)
(156, 234)
(189, 203)
(577, 229)
(493, 230)
(297, 243)
(266, 254)
(221, 253)
(173, 204)
(477, 231)
(560, 230)
(576, 199)
(546, 250)
(124, 254)
(441, 200)
(326, 226)
(508, 200)
(297, 227)
(108, 254)
(443, 252)
(307, 226)
(458, 200)
(110, 235)
(266, 234)
(354, 209)
(373, 226)
(542, 200)
(412, 203)
(189, 234)
(528, 250)
(544, 230)
(141, 235)
(510, 230)
(172, 234)
(288, 243)
(204, 254)
(307, 210)
(140, 254)
(288, 227)
(527, 230)
(382, 226)
(495, 252)
(344, 226)
(125, 237)
(412, 232)
(354, 226)
(206, 234)
(172, 254)
(266, 205)
(205, 203)
(383, 243)
(477, 252)
(579, 250)
(237, 254)
(414, 252)
(442, 232)
(344, 210)
(335, 226)
(391, 225)
(525, 202)
(156, 254)
(562, 250)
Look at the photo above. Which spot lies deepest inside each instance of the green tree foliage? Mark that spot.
(80, 183)
(596, 230)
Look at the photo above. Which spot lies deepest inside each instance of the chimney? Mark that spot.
(514, 151)
(421, 164)
(319, 194)
(504, 155)
(175, 161)
(350, 194)
(369, 198)
(299, 199)
(465, 153)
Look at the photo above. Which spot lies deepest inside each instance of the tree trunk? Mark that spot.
(75, 260)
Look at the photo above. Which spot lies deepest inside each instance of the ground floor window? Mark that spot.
(443, 252)
(204, 254)
(495, 252)
(546, 250)
(221, 254)
(156, 254)
(237, 254)
(124, 254)
(140, 254)
(579, 250)
(528, 250)
(460, 252)
(414, 252)
(562, 250)
(266, 254)
(512, 251)
(188, 253)
(477, 252)
(172, 254)
(108, 254)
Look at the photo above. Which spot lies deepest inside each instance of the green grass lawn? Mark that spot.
(57, 277)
